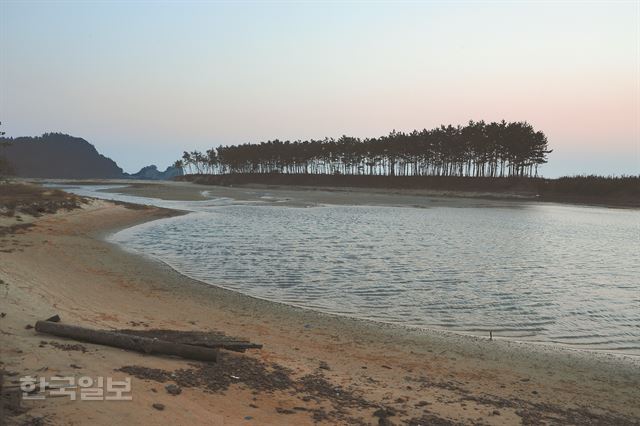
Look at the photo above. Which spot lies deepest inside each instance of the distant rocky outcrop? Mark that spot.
(60, 156)
(56, 155)
(152, 173)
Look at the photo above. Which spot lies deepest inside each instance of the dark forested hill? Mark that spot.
(152, 173)
(60, 156)
(56, 155)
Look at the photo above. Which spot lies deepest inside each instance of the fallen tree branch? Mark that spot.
(125, 341)
(209, 339)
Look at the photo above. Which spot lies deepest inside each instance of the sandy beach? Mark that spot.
(313, 368)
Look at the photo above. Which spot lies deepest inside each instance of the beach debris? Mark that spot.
(64, 346)
(325, 401)
(208, 339)
(324, 365)
(75, 366)
(490, 335)
(386, 366)
(28, 327)
(216, 377)
(55, 318)
(383, 415)
(126, 341)
(173, 389)
(3, 314)
(158, 406)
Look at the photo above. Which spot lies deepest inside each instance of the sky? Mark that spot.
(144, 80)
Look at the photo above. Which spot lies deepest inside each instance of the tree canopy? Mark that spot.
(477, 149)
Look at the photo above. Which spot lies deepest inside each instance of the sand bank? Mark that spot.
(300, 196)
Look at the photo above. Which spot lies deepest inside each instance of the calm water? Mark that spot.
(536, 272)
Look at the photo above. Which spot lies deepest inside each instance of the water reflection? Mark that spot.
(550, 273)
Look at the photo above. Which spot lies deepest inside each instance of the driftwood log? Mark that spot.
(125, 341)
(209, 339)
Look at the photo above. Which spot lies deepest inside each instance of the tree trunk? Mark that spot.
(124, 341)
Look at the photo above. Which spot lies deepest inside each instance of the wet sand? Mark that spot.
(339, 370)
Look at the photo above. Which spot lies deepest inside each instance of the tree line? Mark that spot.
(477, 149)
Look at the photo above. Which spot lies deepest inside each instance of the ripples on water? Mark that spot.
(538, 272)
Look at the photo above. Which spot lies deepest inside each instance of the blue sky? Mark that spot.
(145, 80)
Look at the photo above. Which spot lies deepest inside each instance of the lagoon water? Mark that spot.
(538, 272)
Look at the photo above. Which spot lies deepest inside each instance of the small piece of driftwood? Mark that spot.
(130, 342)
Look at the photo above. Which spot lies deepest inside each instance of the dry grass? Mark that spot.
(32, 200)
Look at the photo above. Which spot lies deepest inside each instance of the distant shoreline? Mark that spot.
(590, 190)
